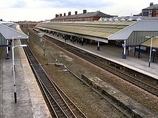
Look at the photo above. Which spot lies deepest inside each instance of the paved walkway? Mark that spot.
(30, 102)
(113, 53)
(138, 64)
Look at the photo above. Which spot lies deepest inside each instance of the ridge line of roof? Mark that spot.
(151, 7)
(81, 15)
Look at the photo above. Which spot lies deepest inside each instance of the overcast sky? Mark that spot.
(36, 10)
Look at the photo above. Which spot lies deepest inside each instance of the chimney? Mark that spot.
(64, 14)
(84, 11)
(56, 15)
(75, 12)
(69, 13)
(60, 15)
(151, 3)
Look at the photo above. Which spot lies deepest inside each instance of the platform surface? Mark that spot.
(30, 102)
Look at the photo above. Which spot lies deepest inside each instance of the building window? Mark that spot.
(145, 13)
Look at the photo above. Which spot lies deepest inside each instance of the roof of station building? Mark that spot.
(11, 30)
(8, 31)
(136, 33)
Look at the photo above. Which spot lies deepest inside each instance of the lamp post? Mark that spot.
(151, 43)
(44, 41)
(44, 48)
(13, 66)
(44, 45)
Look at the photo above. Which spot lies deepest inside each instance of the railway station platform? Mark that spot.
(114, 53)
(30, 102)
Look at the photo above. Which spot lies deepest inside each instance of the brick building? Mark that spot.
(85, 16)
(151, 11)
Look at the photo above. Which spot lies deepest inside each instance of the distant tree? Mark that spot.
(1, 20)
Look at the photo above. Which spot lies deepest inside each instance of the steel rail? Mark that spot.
(49, 87)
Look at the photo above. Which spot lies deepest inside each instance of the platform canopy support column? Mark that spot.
(151, 45)
(28, 36)
(7, 57)
(139, 52)
(124, 50)
(98, 48)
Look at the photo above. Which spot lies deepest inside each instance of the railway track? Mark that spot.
(113, 103)
(150, 88)
(60, 105)
(88, 58)
(54, 104)
(143, 81)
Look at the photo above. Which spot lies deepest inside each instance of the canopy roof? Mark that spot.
(148, 42)
(94, 29)
(133, 29)
(10, 30)
(141, 25)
